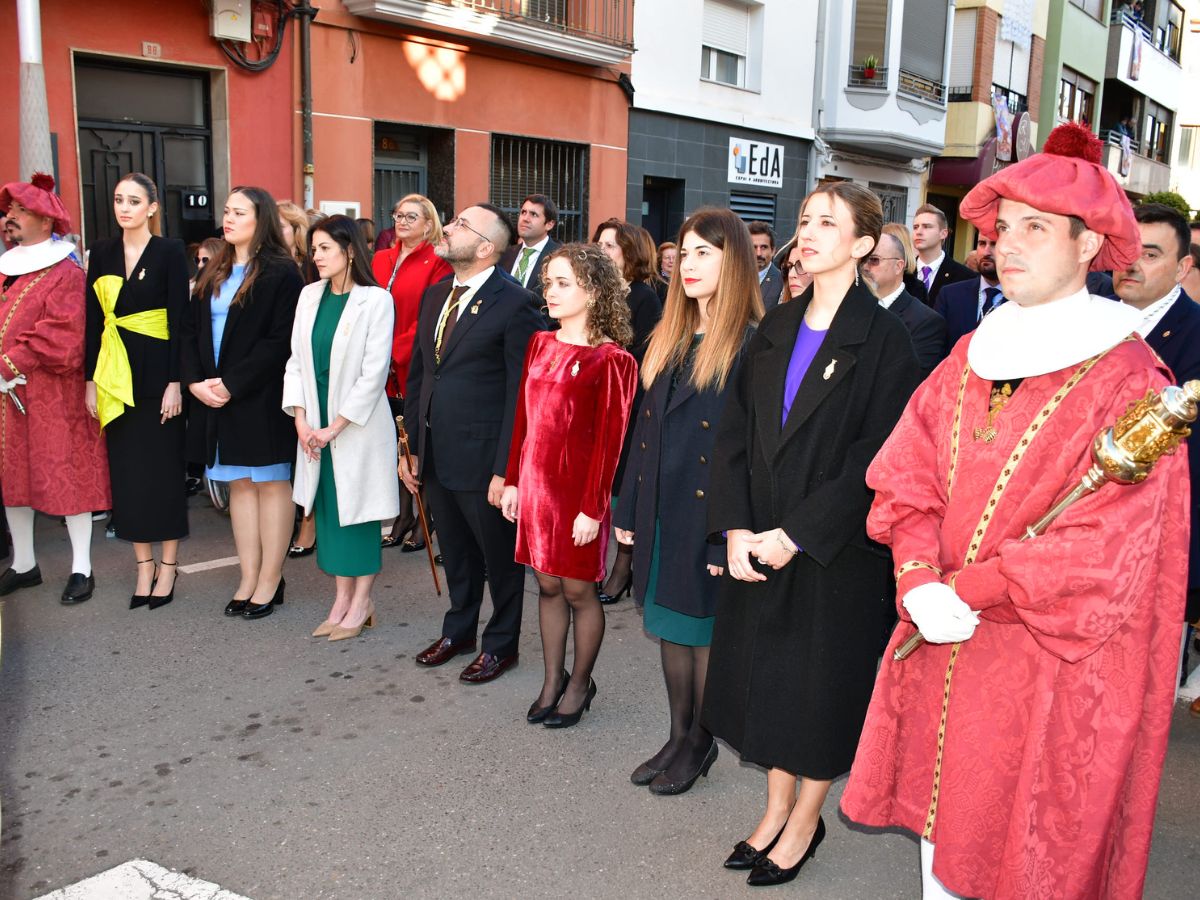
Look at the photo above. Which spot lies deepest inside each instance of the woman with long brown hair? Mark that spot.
(574, 402)
(801, 616)
(236, 342)
(712, 303)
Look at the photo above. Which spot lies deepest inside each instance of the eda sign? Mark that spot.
(752, 162)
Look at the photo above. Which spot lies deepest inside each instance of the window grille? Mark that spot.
(522, 166)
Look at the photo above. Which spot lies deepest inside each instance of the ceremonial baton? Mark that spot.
(1124, 453)
(420, 505)
(12, 395)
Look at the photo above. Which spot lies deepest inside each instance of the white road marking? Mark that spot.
(140, 879)
(222, 563)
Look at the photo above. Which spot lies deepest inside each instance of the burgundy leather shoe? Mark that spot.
(442, 651)
(485, 667)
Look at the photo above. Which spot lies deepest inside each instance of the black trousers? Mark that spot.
(476, 539)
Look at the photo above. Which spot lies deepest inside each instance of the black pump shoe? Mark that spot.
(664, 786)
(609, 599)
(557, 719)
(746, 856)
(766, 873)
(136, 600)
(236, 607)
(262, 610)
(158, 602)
(537, 713)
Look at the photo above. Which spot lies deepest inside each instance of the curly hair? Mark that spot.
(608, 308)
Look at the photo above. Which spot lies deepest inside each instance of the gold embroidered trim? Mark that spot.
(3, 331)
(913, 564)
(1006, 475)
(955, 427)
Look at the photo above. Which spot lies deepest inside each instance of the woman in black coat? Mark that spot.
(799, 620)
(237, 340)
(136, 299)
(688, 369)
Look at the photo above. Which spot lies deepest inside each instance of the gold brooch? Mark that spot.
(475, 308)
(141, 274)
(829, 369)
(575, 369)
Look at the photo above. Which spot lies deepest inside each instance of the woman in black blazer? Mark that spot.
(137, 293)
(800, 619)
(689, 366)
(237, 340)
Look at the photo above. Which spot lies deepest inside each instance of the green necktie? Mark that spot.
(523, 265)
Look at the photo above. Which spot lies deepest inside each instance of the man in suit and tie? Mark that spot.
(934, 268)
(1171, 325)
(770, 279)
(964, 303)
(461, 397)
(524, 260)
(883, 271)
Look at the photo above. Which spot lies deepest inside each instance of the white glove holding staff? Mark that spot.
(940, 613)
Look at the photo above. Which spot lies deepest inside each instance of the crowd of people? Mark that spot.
(883, 422)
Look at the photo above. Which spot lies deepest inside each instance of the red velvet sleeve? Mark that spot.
(520, 422)
(55, 340)
(614, 397)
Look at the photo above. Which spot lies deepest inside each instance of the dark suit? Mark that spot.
(771, 285)
(1101, 284)
(958, 304)
(916, 287)
(533, 278)
(949, 272)
(461, 414)
(926, 328)
(1176, 338)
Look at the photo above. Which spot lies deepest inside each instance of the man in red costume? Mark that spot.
(1025, 741)
(51, 456)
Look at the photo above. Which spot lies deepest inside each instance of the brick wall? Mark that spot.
(986, 27)
(1037, 60)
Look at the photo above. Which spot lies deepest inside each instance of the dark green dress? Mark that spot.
(341, 550)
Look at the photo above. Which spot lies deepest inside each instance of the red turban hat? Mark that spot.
(37, 196)
(1065, 178)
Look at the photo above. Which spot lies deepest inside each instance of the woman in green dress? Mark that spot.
(334, 388)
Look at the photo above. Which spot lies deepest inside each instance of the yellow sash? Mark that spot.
(113, 377)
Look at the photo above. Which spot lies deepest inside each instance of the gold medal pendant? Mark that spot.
(1000, 396)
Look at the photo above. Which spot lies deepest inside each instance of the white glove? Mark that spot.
(940, 613)
(6, 386)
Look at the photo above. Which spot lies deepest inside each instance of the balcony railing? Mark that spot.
(600, 20)
(1166, 41)
(1017, 103)
(919, 86)
(859, 79)
(960, 93)
(1114, 138)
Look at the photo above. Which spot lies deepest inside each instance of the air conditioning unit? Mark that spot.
(231, 20)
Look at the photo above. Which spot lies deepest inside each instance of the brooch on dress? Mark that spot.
(829, 369)
(475, 308)
(141, 274)
(575, 369)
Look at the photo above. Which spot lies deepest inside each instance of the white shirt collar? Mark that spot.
(762, 273)
(933, 266)
(1153, 313)
(25, 258)
(475, 282)
(539, 246)
(886, 302)
(1018, 341)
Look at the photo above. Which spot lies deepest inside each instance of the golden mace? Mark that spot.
(1124, 453)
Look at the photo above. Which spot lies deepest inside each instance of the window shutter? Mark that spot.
(962, 48)
(1011, 66)
(923, 38)
(727, 26)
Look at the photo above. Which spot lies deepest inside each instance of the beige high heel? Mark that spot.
(324, 629)
(341, 634)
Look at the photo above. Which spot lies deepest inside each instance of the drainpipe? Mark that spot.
(35, 155)
(818, 106)
(306, 13)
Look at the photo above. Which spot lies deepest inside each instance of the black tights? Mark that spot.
(621, 570)
(560, 600)
(684, 670)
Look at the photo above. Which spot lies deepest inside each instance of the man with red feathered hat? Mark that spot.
(1024, 742)
(51, 456)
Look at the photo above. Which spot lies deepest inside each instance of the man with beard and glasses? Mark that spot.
(466, 367)
(963, 304)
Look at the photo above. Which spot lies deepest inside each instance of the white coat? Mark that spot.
(364, 454)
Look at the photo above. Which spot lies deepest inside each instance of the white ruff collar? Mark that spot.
(25, 258)
(1018, 341)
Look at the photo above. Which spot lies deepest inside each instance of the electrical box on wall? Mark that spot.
(231, 20)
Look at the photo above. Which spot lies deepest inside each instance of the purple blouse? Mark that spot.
(808, 342)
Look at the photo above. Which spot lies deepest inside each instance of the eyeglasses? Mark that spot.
(876, 260)
(406, 217)
(460, 222)
(797, 267)
(201, 260)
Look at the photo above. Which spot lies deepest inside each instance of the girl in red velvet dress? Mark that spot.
(576, 394)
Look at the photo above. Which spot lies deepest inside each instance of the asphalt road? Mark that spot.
(281, 767)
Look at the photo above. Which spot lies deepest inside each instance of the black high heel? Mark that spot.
(663, 786)
(136, 600)
(766, 873)
(158, 602)
(608, 599)
(236, 607)
(567, 720)
(746, 856)
(537, 713)
(262, 610)
(296, 551)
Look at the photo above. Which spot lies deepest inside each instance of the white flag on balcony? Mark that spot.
(1016, 24)
(1135, 56)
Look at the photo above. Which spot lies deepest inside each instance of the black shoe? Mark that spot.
(79, 588)
(558, 719)
(236, 607)
(665, 786)
(644, 774)
(136, 600)
(296, 551)
(412, 546)
(438, 559)
(158, 602)
(537, 713)
(13, 581)
(262, 610)
(608, 599)
(765, 873)
(745, 856)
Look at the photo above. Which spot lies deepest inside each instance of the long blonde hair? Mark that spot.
(294, 216)
(736, 303)
(904, 236)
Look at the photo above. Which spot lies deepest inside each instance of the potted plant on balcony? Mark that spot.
(869, 65)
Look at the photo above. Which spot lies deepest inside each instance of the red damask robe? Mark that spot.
(1055, 713)
(52, 458)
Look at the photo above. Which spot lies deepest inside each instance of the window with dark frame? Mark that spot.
(1156, 138)
(1093, 8)
(522, 166)
(1076, 97)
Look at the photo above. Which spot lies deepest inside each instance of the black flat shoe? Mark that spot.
(608, 599)
(159, 602)
(766, 874)
(745, 856)
(79, 588)
(411, 546)
(537, 713)
(558, 719)
(262, 610)
(13, 581)
(136, 600)
(236, 607)
(664, 786)
(296, 551)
